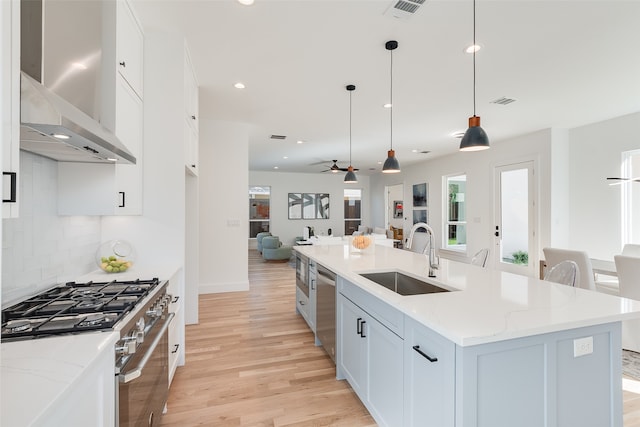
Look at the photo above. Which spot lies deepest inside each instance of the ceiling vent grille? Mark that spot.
(503, 101)
(278, 136)
(404, 8)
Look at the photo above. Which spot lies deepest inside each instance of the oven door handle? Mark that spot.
(137, 371)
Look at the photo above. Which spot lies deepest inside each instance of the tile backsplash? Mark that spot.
(40, 248)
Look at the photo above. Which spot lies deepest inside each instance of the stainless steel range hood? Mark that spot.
(61, 88)
(46, 118)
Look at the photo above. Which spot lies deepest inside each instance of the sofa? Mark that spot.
(274, 250)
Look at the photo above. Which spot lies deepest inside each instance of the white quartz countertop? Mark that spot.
(487, 305)
(36, 374)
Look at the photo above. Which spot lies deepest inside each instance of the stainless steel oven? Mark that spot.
(142, 365)
(302, 273)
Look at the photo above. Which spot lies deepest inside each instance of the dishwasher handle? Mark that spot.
(131, 375)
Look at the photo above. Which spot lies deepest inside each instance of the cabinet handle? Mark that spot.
(14, 179)
(425, 355)
(193, 166)
(301, 302)
(121, 205)
(359, 326)
(362, 329)
(193, 117)
(123, 64)
(176, 299)
(176, 347)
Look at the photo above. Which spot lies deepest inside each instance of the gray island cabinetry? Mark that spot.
(497, 350)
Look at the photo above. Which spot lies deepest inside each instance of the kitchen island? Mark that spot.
(508, 349)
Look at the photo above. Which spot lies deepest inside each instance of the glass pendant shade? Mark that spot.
(350, 177)
(391, 165)
(475, 138)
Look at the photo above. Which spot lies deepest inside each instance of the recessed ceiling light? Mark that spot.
(275, 167)
(300, 142)
(472, 48)
(414, 151)
(246, 2)
(239, 85)
(285, 157)
(387, 105)
(60, 136)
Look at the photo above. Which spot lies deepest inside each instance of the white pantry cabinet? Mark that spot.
(192, 118)
(114, 190)
(370, 357)
(10, 105)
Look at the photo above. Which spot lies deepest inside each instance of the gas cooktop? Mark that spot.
(74, 307)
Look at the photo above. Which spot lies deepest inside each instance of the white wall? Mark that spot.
(224, 207)
(595, 152)
(479, 168)
(40, 248)
(284, 183)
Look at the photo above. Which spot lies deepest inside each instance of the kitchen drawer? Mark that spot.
(381, 311)
(302, 305)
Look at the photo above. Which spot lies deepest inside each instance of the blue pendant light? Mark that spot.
(391, 165)
(475, 138)
(350, 177)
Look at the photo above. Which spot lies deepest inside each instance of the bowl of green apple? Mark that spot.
(115, 256)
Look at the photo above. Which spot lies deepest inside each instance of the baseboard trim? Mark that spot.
(216, 288)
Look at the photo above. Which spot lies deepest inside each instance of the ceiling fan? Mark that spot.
(619, 181)
(334, 168)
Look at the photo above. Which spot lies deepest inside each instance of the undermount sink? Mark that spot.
(403, 284)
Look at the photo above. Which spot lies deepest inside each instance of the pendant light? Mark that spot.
(391, 165)
(475, 138)
(350, 177)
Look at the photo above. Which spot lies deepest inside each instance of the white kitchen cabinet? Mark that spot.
(370, 357)
(429, 377)
(10, 105)
(129, 129)
(192, 117)
(129, 47)
(175, 288)
(113, 189)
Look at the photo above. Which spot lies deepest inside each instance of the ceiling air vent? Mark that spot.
(503, 101)
(278, 136)
(404, 8)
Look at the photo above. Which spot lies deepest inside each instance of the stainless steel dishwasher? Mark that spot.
(326, 310)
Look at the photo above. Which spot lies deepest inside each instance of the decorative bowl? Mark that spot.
(115, 256)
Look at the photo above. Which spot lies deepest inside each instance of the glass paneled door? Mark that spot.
(515, 235)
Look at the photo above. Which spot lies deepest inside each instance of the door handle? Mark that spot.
(14, 178)
(497, 234)
(121, 205)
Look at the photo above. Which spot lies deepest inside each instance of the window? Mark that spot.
(630, 197)
(352, 210)
(455, 232)
(259, 203)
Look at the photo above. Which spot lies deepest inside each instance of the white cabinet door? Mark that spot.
(429, 377)
(192, 117)
(129, 47)
(352, 346)
(10, 105)
(384, 373)
(129, 129)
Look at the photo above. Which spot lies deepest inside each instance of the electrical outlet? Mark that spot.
(582, 346)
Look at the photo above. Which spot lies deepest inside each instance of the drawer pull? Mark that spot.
(123, 64)
(176, 347)
(301, 302)
(175, 299)
(13, 186)
(425, 355)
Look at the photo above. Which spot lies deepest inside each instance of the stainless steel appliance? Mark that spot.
(326, 310)
(137, 310)
(302, 273)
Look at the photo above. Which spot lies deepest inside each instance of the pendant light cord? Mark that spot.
(350, 128)
(474, 57)
(391, 100)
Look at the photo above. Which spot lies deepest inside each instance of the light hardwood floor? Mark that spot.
(251, 361)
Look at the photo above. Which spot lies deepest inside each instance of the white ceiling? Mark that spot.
(566, 63)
